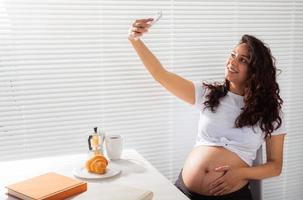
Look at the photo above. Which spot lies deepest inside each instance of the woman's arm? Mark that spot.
(232, 176)
(273, 166)
(180, 87)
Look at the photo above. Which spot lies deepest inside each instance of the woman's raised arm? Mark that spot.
(180, 87)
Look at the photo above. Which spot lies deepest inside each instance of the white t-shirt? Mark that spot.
(218, 128)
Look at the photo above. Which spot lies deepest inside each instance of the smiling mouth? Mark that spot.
(232, 70)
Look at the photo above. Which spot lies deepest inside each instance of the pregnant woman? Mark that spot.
(236, 117)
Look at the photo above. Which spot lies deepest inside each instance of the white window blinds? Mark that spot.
(66, 66)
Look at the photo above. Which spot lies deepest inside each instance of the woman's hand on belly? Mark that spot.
(199, 169)
(230, 179)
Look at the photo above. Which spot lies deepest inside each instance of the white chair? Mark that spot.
(256, 185)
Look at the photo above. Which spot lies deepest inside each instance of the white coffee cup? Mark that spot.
(114, 146)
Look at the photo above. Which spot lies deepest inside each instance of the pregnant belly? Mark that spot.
(198, 171)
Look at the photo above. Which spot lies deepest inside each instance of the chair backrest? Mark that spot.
(256, 185)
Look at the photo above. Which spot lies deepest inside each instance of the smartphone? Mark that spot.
(156, 18)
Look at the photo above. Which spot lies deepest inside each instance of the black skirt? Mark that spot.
(242, 194)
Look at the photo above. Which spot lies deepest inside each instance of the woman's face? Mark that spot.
(237, 65)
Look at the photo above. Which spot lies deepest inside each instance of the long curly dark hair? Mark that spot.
(262, 102)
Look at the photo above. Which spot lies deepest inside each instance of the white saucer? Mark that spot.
(81, 172)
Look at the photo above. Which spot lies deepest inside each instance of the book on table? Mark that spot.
(114, 191)
(49, 186)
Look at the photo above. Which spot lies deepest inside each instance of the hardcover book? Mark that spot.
(49, 186)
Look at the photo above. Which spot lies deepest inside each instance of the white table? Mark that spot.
(136, 172)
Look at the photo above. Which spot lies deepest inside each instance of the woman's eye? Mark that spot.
(232, 55)
(243, 61)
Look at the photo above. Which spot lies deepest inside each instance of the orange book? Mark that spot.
(49, 186)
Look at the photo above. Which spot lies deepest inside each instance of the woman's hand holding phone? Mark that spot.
(141, 26)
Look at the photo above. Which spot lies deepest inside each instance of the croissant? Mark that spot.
(97, 164)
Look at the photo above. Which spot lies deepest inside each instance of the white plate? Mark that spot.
(81, 172)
